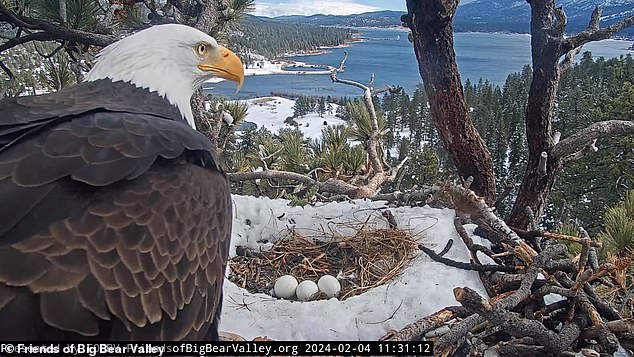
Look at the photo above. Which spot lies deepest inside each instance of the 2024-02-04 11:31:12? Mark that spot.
(420, 348)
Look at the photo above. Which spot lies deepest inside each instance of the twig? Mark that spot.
(7, 71)
(465, 266)
(587, 241)
(445, 250)
(388, 318)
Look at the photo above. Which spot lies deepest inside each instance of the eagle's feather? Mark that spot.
(115, 218)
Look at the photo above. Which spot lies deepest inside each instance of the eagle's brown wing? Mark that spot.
(113, 225)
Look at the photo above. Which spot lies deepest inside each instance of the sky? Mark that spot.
(274, 8)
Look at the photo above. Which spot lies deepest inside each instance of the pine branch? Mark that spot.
(50, 31)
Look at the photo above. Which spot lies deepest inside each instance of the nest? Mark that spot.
(361, 261)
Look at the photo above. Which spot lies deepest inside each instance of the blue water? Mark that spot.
(390, 56)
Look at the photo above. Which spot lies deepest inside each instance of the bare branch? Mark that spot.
(584, 138)
(7, 71)
(396, 169)
(38, 36)
(408, 196)
(562, 20)
(271, 174)
(625, 325)
(466, 266)
(595, 19)
(467, 201)
(62, 12)
(331, 185)
(593, 33)
(566, 62)
(342, 64)
(516, 326)
(374, 141)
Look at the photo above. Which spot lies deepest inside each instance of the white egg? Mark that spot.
(285, 286)
(306, 289)
(329, 285)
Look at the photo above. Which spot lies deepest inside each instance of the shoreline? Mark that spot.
(326, 49)
(280, 65)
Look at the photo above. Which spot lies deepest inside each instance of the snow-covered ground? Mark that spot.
(422, 288)
(271, 112)
(263, 66)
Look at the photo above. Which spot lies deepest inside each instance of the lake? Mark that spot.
(390, 56)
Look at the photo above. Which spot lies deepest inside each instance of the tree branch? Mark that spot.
(55, 31)
(331, 185)
(374, 141)
(577, 142)
(415, 331)
(38, 36)
(593, 33)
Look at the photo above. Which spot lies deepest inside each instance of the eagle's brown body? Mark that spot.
(115, 218)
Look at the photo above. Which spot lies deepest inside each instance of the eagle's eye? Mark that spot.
(201, 49)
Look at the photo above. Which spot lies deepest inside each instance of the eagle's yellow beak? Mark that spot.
(226, 65)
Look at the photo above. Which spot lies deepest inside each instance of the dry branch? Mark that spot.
(415, 331)
(465, 266)
(558, 236)
(407, 196)
(583, 139)
(514, 325)
(593, 33)
(374, 141)
(467, 201)
(625, 325)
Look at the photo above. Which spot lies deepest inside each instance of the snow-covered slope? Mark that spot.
(271, 112)
(514, 15)
(423, 288)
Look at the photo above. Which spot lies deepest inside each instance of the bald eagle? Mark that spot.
(115, 214)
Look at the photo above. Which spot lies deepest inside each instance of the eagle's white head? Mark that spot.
(172, 60)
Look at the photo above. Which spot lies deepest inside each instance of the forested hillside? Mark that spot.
(591, 91)
(272, 39)
(580, 196)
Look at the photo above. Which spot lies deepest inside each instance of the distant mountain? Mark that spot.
(385, 18)
(485, 15)
(514, 15)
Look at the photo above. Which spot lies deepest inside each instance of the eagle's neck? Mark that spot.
(175, 83)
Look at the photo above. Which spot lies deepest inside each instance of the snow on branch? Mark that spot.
(582, 142)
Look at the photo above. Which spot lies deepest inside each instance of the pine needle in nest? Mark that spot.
(364, 260)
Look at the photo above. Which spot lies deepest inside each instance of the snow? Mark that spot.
(264, 66)
(271, 112)
(423, 288)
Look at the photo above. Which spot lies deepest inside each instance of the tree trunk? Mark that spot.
(432, 35)
(546, 36)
